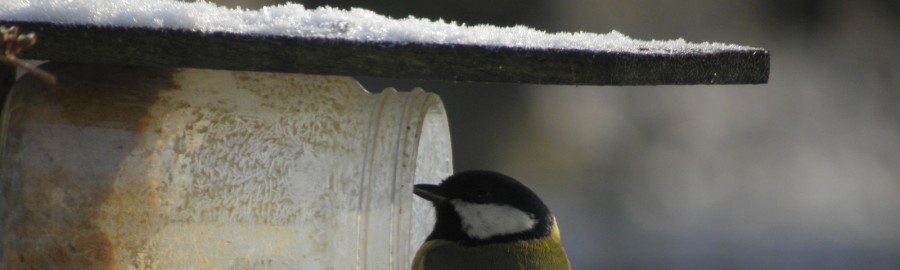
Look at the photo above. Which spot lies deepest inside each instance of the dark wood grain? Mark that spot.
(193, 49)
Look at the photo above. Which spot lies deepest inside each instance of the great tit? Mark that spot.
(487, 220)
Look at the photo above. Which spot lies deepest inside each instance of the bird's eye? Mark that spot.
(481, 195)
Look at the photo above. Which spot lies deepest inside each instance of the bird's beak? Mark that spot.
(430, 192)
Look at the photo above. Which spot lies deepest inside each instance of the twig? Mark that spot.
(13, 44)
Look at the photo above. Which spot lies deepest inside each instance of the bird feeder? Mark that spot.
(164, 147)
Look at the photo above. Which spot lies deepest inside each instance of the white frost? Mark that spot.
(326, 22)
(483, 221)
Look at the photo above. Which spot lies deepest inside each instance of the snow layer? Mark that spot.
(326, 22)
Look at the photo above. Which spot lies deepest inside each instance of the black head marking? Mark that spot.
(483, 187)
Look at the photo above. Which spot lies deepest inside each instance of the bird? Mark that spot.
(488, 220)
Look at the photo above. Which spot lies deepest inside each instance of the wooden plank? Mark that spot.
(192, 49)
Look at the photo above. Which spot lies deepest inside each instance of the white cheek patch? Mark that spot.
(483, 221)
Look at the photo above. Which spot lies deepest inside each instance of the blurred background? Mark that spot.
(799, 173)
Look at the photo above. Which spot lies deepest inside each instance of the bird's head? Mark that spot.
(484, 207)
